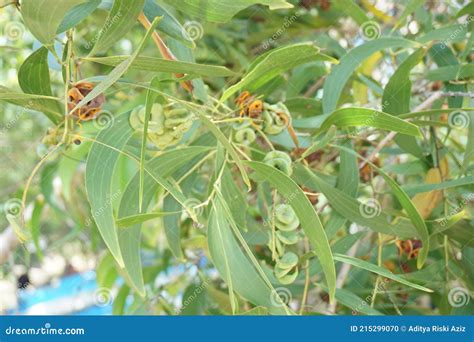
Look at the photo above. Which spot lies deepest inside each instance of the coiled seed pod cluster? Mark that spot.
(286, 224)
(244, 133)
(274, 118)
(279, 160)
(166, 125)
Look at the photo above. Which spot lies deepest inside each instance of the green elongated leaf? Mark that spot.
(273, 64)
(341, 73)
(306, 214)
(233, 195)
(99, 183)
(168, 24)
(354, 302)
(32, 101)
(413, 189)
(121, 19)
(356, 117)
(451, 73)
(141, 218)
(411, 7)
(228, 212)
(221, 11)
(228, 146)
(164, 166)
(358, 212)
(378, 270)
(397, 92)
(186, 54)
(78, 14)
(410, 209)
(469, 152)
(396, 98)
(33, 78)
(150, 100)
(118, 71)
(43, 17)
(468, 9)
(155, 64)
(347, 181)
(35, 225)
(236, 268)
(352, 9)
(445, 57)
(451, 34)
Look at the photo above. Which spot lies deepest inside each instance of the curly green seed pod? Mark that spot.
(287, 238)
(273, 122)
(285, 218)
(286, 269)
(166, 126)
(279, 160)
(245, 136)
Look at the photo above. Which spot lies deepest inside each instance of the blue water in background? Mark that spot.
(67, 286)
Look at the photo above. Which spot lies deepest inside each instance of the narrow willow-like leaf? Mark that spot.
(102, 158)
(451, 73)
(243, 243)
(118, 71)
(221, 11)
(121, 19)
(378, 270)
(150, 99)
(341, 73)
(141, 218)
(228, 146)
(412, 6)
(273, 64)
(410, 209)
(164, 166)
(350, 8)
(353, 210)
(155, 64)
(32, 101)
(78, 14)
(413, 189)
(347, 181)
(356, 117)
(307, 215)
(452, 33)
(43, 17)
(169, 24)
(235, 267)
